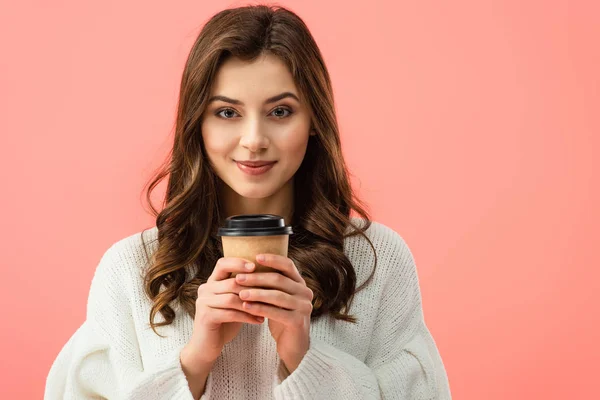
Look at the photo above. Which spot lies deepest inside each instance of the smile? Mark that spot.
(255, 168)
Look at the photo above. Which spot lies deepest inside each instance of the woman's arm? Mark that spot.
(403, 361)
(102, 358)
(195, 372)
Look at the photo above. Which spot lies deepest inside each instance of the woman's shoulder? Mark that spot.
(394, 257)
(126, 257)
(384, 238)
(128, 248)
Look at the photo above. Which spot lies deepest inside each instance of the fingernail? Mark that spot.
(241, 277)
(249, 266)
(244, 294)
(260, 257)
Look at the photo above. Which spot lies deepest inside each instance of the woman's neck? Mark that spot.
(280, 203)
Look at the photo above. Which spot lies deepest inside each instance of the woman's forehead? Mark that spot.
(253, 81)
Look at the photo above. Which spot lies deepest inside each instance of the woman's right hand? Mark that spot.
(219, 314)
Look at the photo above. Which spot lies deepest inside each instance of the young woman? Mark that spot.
(256, 133)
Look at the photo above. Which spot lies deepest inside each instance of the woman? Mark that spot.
(256, 133)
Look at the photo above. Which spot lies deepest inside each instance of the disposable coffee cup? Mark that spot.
(246, 236)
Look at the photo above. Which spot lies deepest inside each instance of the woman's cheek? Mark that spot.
(296, 141)
(217, 139)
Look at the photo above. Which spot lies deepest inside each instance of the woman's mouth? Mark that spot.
(255, 167)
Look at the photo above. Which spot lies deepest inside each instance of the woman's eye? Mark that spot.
(280, 112)
(226, 113)
(229, 113)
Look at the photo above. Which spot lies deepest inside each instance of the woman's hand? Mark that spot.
(219, 314)
(218, 319)
(285, 300)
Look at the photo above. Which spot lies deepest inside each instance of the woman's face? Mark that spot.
(255, 113)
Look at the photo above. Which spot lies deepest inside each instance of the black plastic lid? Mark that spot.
(255, 225)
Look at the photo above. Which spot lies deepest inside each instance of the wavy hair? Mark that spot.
(188, 247)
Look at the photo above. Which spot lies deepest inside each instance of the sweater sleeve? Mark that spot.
(403, 362)
(102, 358)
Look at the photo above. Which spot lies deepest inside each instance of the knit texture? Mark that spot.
(388, 354)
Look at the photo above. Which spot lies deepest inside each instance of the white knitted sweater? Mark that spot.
(388, 354)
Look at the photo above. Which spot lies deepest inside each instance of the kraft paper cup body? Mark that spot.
(248, 247)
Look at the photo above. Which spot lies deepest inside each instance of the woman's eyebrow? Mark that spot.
(269, 100)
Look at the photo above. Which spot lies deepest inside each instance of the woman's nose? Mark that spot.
(254, 137)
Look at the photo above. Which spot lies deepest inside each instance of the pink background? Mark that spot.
(470, 127)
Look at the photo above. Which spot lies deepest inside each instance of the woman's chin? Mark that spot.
(254, 193)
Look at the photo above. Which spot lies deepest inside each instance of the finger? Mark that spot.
(275, 298)
(280, 263)
(229, 285)
(221, 301)
(273, 280)
(286, 317)
(226, 265)
(224, 316)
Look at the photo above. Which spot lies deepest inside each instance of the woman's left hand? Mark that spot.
(285, 300)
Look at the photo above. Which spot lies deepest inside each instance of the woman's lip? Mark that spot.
(255, 163)
(254, 170)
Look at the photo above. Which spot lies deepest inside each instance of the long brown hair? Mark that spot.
(188, 247)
